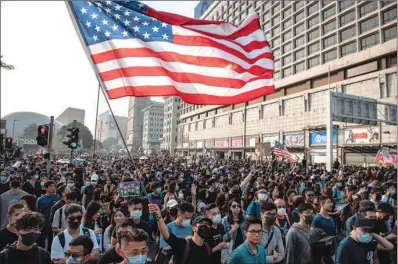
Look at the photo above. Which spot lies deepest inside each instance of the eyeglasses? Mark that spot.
(235, 206)
(255, 232)
(73, 218)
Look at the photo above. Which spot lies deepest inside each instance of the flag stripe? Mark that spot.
(181, 77)
(108, 69)
(190, 88)
(197, 98)
(117, 58)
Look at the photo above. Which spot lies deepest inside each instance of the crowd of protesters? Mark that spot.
(201, 210)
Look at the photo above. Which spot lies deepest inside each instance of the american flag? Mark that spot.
(281, 151)
(138, 51)
(386, 158)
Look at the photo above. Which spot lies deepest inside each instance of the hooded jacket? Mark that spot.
(298, 248)
(13, 255)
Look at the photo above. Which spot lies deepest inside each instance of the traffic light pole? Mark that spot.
(50, 144)
(71, 151)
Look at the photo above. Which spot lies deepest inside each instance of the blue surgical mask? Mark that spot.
(72, 260)
(365, 238)
(70, 185)
(262, 197)
(140, 259)
(217, 219)
(136, 214)
(393, 191)
(159, 190)
(36, 177)
(3, 178)
(339, 184)
(303, 185)
(186, 222)
(42, 184)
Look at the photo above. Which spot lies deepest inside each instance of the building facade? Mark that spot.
(70, 114)
(170, 123)
(135, 122)
(106, 127)
(348, 47)
(153, 127)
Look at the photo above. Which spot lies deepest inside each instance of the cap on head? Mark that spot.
(202, 219)
(171, 203)
(365, 223)
(317, 235)
(94, 177)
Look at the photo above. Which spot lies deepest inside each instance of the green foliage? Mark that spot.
(109, 143)
(30, 131)
(84, 134)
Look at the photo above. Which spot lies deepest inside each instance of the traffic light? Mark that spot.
(42, 135)
(8, 142)
(73, 136)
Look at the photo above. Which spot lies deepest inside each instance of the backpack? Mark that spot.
(61, 236)
(60, 218)
(41, 258)
(188, 248)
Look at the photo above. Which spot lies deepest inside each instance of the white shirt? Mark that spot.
(385, 199)
(64, 225)
(107, 239)
(58, 252)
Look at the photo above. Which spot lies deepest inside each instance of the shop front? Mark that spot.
(250, 146)
(199, 148)
(221, 148)
(318, 146)
(271, 139)
(237, 147)
(185, 149)
(192, 147)
(207, 152)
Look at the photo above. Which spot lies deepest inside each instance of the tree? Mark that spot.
(84, 134)
(109, 143)
(5, 65)
(30, 131)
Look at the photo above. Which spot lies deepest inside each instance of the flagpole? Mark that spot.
(96, 119)
(244, 131)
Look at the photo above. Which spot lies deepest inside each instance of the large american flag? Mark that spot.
(386, 158)
(138, 51)
(281, 151)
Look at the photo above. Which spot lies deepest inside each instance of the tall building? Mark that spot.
(170, 123)
(346, 46)
(106, 127)
(153, 127)
(70, 114)
(135, 122)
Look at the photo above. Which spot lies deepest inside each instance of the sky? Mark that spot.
(52, 71)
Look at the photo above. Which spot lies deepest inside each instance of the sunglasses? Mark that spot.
(73, 218)
(235, 206)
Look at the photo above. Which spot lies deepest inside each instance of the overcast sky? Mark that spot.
(52, 71)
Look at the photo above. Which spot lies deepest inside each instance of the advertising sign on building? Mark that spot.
(236, 142)
(221, 143)
(263, 149)
(319, 138)
(252, 142)
(192, 144)
(270, 139)
(208, 144)
(361, 135)
(296, 140)
(199, 144)
(185, 137)
(185, 145)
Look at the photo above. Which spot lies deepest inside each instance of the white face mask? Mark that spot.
(281, 211)
(217, 219)
(262, 197)
(186, 222)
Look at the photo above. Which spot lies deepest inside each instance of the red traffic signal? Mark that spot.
(9, 142)
(43, 130)
(42, 135)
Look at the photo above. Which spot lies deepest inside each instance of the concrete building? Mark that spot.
(354, 42)
(170, 123)
(106, 127)
(135, 122)
(153, 127)
(70, 114)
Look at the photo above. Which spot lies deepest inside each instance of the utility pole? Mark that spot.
(50, 144)
(71, 150)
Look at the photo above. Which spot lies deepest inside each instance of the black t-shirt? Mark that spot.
(196, 254)
(216, 238)
(239, 238)
(88, 191)
(4, 187)
(351, 251)
(6, 238)
(24, 256)
(36, 190)
(211, 197)
(110, 256)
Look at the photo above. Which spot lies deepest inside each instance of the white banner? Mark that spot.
(364, 135)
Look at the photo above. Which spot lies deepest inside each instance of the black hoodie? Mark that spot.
(31, 256)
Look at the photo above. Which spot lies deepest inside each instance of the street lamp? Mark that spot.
(13, 127)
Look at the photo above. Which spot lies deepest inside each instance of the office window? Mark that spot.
(329, 41)
(287, 72)
(277, 75)
(287, 47)
(329, 56)
(313, 48)
(389, 15)
(369, 24)
(329, 12)
(287, 60)
(287, 35)
(298, 5)
(387, 2)
(313, 8)
(369, 41)
(389, 83)
(266, 16)
(276, 42)
(313, 35)
(329, 27)
(267, 5)
(347, 18)
(313, 22)
(299, 54)
(277, 64)
(367, 8)
(287, 13)
(345, 4)
(257, 4)
(287, 24)
(299, 29)
(276, 9)
(276, 52)
(298, 42)
(267, 25)
(276, 20)
(276, 31)
(299, 67)
(299, 17)
(348, 33)
(313, 62)
(390, 33)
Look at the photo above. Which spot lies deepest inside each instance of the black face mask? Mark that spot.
(29, 238)
(204, 231)
(74, 224)
(173, 212)
(270, 220)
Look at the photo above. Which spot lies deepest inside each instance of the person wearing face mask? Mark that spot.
(298, 248)
(71, 184)
(254, 207)
(79, 250)
(187, 250)
(59, 222)
(10, 197)
(338, 193)
(212, 192)
(376, 195)
(60, 244)
(24, 250)
(8, 234)
(271, 238)
(215, 239)
(282, 218)
(4, 185)
(133, 246)
(359, 247)
(391, 194)
(321, 246)
(156, 195)
(135, 210)
(89, 190)
(33, 185)
(62, 190)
